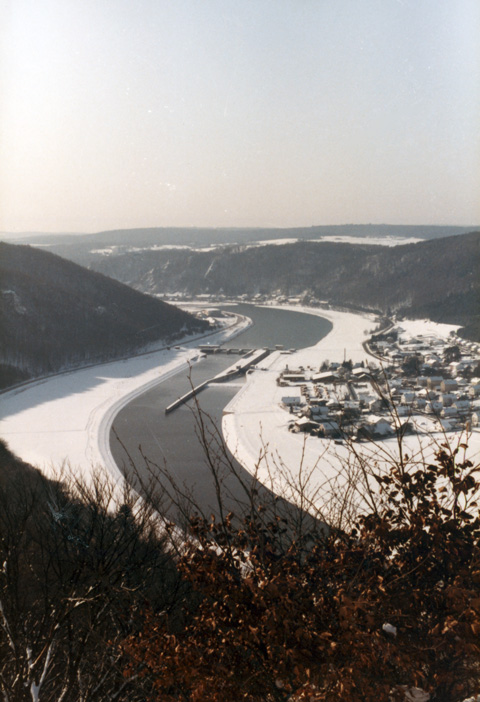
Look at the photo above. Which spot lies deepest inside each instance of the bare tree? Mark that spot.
(79, 564)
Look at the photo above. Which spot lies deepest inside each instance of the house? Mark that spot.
(460, 366)
(374, 428)
(474, 390)
(462, 406)
(427, 394)
(434, 381)
(448, 398)
(326, 378)
(378, 426)
(305, 424)
(422, 381)
(294, 377)
(448, 385)
(434, 407)
(318, 411)
(420, 403)
(330, 429)
(365, 398)
(361, 373)
(351, 409)
(292, 400)
(375, 405)
(446, 424)
(408, 398)
(432, 361)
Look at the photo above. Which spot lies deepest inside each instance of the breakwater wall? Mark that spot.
(240, 368)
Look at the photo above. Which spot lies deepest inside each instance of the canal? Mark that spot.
(150, 443)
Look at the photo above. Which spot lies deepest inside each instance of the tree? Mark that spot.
(452, 353)
(367, 613)
(79, 564)
(271, 602)
(412, 365)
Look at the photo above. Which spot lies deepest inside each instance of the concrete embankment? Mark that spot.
(240, 368)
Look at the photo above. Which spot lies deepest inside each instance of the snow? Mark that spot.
(369, 240)
(67, 418)
(389, 629)
(64, 418)
(272, 242)
(424, 327)
(255, 426)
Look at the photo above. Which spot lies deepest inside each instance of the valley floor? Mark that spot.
(66, 419)
(255, 425)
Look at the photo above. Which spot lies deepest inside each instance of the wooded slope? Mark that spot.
(55, 314)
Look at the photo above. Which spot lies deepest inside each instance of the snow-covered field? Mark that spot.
(369, 240)
(67, 418)
(255, 426)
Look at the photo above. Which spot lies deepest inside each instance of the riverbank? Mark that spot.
(65, 420)
(256, 427)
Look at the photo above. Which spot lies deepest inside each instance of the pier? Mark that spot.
(240, 368)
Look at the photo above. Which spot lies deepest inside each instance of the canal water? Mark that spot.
(149, 442)
(273, 326)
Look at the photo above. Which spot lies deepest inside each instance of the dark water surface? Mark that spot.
(276, 326)
(172, 440)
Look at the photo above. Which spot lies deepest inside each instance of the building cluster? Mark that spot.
(304, 298)
(423, 385)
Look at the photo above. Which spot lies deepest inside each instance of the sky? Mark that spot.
(220, 113)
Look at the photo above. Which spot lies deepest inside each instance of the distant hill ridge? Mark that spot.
(438, 278)
(54, 314)
(72, 245)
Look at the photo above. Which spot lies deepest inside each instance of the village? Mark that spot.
(413, 384)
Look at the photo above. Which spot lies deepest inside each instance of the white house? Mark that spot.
(448, 398)
(292, 400)
(378, 425)
(305, 424)
(463, 406)
(408, 398)
(448, 385)
(434, 407)
(330, 428)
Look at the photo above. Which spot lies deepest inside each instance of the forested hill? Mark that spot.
(55, 314)
(438, 278)
(78, 246)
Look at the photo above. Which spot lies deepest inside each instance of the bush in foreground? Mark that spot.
(78, 565)
(95, 605)
(369, 614)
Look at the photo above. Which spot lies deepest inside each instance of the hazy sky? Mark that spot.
(138, 113)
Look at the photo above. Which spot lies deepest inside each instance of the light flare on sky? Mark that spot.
(223, 113)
